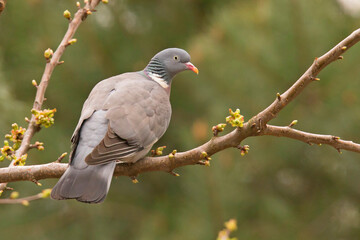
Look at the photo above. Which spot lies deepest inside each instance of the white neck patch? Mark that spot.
(157, 78)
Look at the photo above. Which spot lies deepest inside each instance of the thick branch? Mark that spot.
(49, 68)
(311, 138)
(191, 157)
(148, 164)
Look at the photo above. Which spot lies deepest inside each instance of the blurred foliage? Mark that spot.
(246, 51)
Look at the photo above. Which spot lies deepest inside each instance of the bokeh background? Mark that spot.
(246, 51)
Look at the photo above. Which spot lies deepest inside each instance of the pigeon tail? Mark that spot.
(89, 185)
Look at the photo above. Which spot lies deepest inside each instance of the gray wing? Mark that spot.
(95, 102)
(139, 113)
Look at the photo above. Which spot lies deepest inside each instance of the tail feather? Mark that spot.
(89, 185)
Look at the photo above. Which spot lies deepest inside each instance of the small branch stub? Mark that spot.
(61, 157)
(278, 96)
(218, 128)
(174, 174)
(335, 138)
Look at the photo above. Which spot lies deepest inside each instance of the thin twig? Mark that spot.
(25, 200)
(309, 76)
(32, 128)
(311, 138)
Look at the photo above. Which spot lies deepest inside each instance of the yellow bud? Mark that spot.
(40, 148)
(72, 41)
(135, 180)
(78, 4)
(294, 122)
(34, 83)
(105, 1)
(25, 203)
(48, 53)
(67, 14)
(14, 195)
(46, 193)
(231, 225)
(14, 126)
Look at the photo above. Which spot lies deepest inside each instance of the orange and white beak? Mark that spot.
(191, 67)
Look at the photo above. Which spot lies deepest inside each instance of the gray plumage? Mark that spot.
(120, 121)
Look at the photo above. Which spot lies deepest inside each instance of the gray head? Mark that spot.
(167, 63)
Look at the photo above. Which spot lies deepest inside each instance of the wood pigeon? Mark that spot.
(120, 121)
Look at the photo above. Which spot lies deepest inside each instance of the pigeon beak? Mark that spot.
(191, 67)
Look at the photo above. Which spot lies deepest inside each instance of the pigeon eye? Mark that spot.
(176, 57)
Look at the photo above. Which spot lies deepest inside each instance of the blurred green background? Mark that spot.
(246, 51)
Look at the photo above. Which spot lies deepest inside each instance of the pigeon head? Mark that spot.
(166, 64)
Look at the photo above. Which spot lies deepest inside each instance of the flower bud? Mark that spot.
(67, 14)
(14, 195)
(72, 41)
(48, 53)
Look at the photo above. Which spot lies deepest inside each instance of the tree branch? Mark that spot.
(256, 126)
(25, 200)
(309, 76)
(311, 138)
(80, 15)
